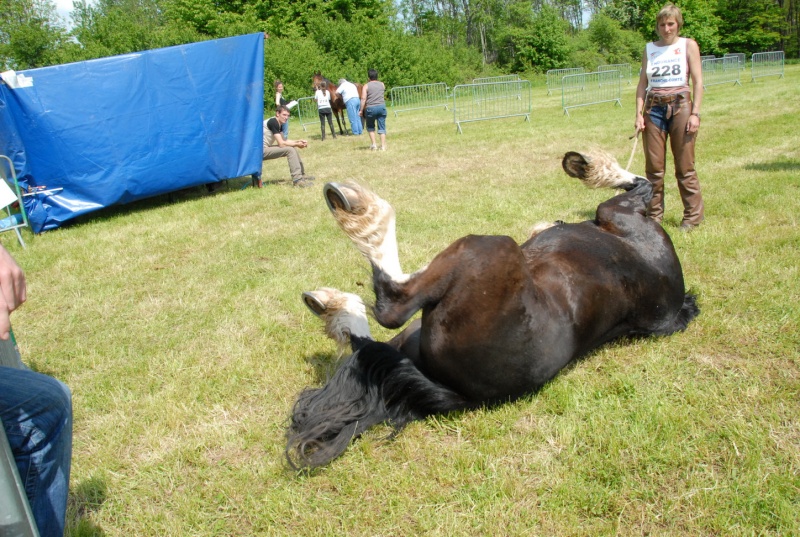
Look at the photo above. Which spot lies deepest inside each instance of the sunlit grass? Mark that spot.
(179, 328)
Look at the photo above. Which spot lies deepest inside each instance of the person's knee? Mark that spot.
(58, 397)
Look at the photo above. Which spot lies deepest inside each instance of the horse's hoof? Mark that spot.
(316, 306)
(575, 164)
(336, 198)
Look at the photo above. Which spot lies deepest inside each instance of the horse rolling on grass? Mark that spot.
(337, 103)
(499, 319)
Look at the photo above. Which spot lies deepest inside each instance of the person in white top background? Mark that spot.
(667, 109)
(352, 101)
(323, 98)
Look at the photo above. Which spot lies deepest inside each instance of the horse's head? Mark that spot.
(317, 79)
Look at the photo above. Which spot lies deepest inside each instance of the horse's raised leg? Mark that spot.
(625, 215)
(369, 222)
(601, 170)
(345, 318)
(344, 315)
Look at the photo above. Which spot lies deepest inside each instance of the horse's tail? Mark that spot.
(689, 310)
(375, 384)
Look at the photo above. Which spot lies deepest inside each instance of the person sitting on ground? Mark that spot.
(275, 146)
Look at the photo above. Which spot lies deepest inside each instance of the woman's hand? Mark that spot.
(13, 291)
(639, 123)
(693, 124)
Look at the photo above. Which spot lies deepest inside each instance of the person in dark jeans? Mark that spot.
(323, 98)
(36, 411)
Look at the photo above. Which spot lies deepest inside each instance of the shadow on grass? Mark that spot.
(779, 165)
(325, 365)
(179, 196)
(85, 498)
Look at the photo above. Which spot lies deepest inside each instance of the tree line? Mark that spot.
(408, 41)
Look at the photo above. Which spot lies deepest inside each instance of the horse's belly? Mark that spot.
(504, 363)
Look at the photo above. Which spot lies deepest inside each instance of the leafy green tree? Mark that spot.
(614, 44)
(538, 41)
(30, 33)
(700, 20)
(750, 25)
(637, 15)
(112, 27)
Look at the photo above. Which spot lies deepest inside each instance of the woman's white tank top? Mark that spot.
(667, 67)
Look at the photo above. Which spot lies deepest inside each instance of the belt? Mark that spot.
(666, 99)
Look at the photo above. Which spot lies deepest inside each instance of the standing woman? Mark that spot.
(323, 98)
(665, 109)
(281, 101)
(373, 106)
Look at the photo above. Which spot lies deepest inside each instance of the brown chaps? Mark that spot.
(670, 114)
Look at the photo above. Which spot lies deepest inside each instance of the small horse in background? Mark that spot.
(337, 103)
(499, 319)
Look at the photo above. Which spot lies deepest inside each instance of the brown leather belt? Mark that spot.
(660, 100)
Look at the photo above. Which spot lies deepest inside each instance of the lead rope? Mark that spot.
(633, 151)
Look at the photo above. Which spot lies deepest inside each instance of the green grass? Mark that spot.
(179, 327)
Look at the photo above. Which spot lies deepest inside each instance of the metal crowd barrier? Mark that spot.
(590, 88)
(766, 64)
(554, 77)
(740, 57)
(623, 68)
(307, 112)
(495, 100)
(721, 71)
(490, 79)
(407, 98)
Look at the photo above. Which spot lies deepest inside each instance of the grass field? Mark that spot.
(179, 327)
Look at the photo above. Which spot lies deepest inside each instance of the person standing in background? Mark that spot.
(349, 93)
(323, 98)
(280, 100)
(666, 110)
(373, 108)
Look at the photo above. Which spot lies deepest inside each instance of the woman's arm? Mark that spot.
(363, 99)
(696, 75)
(641, 90)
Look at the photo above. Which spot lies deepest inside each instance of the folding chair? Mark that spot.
(9, 195)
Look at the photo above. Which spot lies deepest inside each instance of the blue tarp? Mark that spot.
(124, 128)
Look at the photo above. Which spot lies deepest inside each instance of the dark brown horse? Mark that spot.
(499, 319)
(337, 103)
